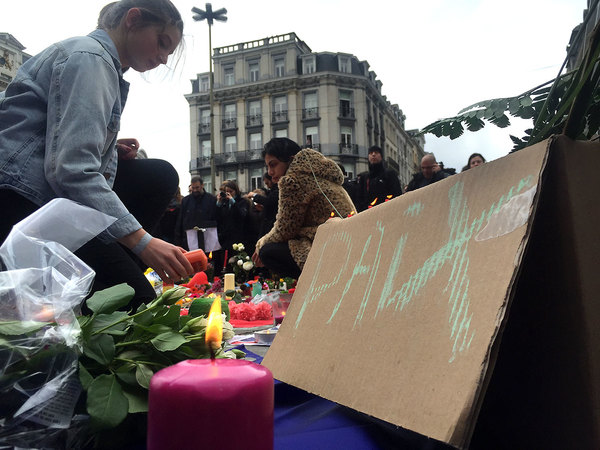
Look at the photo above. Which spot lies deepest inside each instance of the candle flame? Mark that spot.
(214, 326)
(332, 214)
(389, 197)
(373, 203)
(210, 255)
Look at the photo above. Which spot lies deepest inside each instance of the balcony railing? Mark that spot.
(316, 147)
(349, 149)
(244, 156)
(346, 112)
(310, 113)
(229, 124)
(279, 116)
(202, 162)
(204, 128)
(254, 120)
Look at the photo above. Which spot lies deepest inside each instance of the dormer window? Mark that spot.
(309, 64)
(344, 64)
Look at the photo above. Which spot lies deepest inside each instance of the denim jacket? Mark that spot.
(59, 120)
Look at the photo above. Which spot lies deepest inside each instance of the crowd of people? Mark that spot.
(59, 119)
(216, 223)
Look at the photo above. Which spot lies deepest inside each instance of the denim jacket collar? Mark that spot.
(104, 39)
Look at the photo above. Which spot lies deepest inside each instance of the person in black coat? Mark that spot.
(198, 210)
(430, 173)
(233, 215)
(378, 184)
(270, 204)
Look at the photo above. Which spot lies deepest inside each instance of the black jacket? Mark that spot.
(376, 186)
(233, 222)
(418, 180)
(271, 205)
(198, 212)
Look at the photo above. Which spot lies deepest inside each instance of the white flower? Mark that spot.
(236, 247)
(240, 247)
(247, 258)
(248, 265)
(240, 262)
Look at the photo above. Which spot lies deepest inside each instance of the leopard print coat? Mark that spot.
(302, 205)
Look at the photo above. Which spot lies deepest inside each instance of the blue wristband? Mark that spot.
(142, 244)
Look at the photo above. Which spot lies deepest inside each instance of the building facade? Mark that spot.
(278, 87)
(12, 57)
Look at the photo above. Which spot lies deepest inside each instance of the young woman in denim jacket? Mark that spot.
(59, 120)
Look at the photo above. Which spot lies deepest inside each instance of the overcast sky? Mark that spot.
(434, 57)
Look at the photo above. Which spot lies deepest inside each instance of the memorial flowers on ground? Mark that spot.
(241, 264)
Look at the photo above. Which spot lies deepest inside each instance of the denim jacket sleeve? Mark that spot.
(84, 109)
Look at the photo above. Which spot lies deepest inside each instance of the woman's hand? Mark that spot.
(256, 260)
(167, 260)
(127, 148)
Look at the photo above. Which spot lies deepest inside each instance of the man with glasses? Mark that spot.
(430, 173)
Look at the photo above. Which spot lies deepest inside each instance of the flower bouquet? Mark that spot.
(241, 264)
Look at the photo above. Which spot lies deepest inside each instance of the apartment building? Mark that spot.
(12, 57)
(278, 87)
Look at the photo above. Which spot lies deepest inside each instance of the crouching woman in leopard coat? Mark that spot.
(309, 184)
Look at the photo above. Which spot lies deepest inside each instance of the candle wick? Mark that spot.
(212, 352)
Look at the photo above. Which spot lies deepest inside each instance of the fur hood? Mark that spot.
(309, 162)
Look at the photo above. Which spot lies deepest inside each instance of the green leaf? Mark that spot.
(513, 105)
(501, 121)
(109, 300)
(17, 327)
(143, 373)
(84, 377)
(158, 328)
(527, 113)
(126, 374)
(170, 318)
(474, 124)
(103, 320)
(106, 403)
(526, 101)
(100, 348)
(168, 341)
(143, 319)
(138, 399)
(238, 353)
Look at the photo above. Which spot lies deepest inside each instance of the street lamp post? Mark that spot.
(209, 15)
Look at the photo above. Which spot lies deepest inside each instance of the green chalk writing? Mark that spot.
(461, 230)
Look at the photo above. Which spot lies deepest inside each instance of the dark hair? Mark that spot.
(153, 12)
(468, 166)
(231, 185)
(342, 168)
(266, 176)
(197, 178)
(473, 156)
(281, 148)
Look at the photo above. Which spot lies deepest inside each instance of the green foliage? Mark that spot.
(120, 352)
(569, 104)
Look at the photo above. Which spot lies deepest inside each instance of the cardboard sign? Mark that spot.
(400, 310)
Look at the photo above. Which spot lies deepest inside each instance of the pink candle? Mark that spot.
(212, 404)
